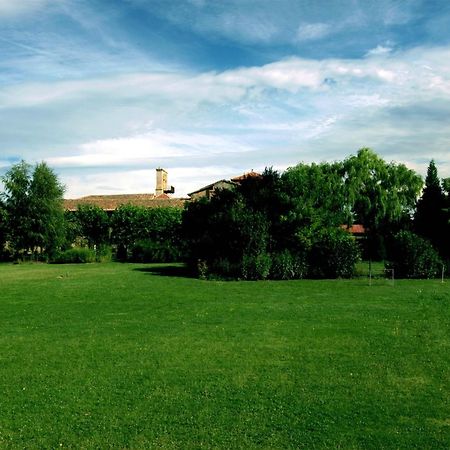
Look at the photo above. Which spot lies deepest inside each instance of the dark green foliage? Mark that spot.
(3, 231)
(153, 251)
(334, 254)
(226, 233)
(267, 226)
(413, 257)
(255, 266)
(431, 218)
(93, 225)
(77, 255)
(288, 266)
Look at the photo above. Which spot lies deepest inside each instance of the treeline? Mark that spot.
(279, 225)
(291, 225)
(34, 225)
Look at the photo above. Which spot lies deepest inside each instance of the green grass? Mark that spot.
(118, 356)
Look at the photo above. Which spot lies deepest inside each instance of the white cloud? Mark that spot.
(313, 31)
(276, 114)
(379, 50)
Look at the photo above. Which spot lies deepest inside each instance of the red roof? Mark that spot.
(112, 202)
(251, 174)
(356, 228)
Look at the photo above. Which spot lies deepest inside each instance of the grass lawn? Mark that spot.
(120, 356)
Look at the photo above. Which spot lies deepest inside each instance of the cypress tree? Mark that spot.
(430, 217)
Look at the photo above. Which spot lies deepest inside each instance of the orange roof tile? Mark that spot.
(356, 228)
(250, 174)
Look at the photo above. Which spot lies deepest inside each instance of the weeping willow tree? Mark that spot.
(381, 195)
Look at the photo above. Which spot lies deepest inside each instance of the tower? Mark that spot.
(161, 181)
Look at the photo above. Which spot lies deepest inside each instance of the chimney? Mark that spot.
(161, 181)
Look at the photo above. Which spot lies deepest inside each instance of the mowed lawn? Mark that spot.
(121, 356)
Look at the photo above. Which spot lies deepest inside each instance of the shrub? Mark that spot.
(103, 254)
(334, 254)
(287, 266)
(147, 251)
(255, 267)
(413, 257)
(75, 255)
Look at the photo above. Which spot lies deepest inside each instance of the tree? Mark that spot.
(93, 225)
(380, 195)
(316, 200)
(430, 220)
(3, 228)
(47, 211)
(33, 203)
(126, 228)
(153, 233)
(18, 207)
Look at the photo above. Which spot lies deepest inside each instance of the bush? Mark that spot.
(334, 254)
(413, 257)
(103, 254)
(287, 266)
(76, 256)
(147, 251)
(256, 267)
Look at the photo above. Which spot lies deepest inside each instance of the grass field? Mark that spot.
(126, 356)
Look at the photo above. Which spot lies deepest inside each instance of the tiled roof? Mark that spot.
(251, 174)
(112, 202)
(356, 228)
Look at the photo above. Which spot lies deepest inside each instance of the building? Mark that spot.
(209, 190)
(109, 203)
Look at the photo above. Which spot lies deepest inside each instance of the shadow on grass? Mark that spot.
(166, 270)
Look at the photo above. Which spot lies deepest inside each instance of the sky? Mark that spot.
(106, 91)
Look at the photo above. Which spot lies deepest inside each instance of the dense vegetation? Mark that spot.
(278, 226)
(117, 356)
(289, 225)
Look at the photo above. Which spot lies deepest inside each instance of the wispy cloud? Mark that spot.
(102, 91)
(313, 31)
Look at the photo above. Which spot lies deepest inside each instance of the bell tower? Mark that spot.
(161, 181)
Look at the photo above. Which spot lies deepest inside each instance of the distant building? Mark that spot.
(161, 197)
(110, 203)
(209, 190)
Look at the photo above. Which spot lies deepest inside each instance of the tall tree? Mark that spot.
(381, 195)
(33, 202)
(431, 219)
(47, 211)
(18, 207)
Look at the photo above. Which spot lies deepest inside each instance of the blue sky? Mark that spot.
(105, 91)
